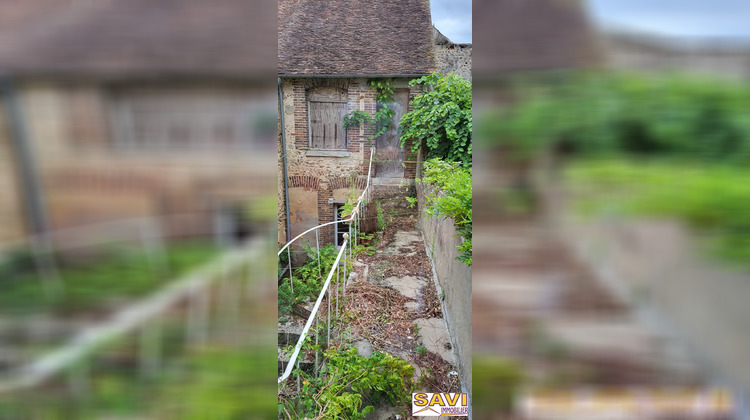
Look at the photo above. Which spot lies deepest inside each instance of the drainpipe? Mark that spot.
(283, 156)
(24, 157)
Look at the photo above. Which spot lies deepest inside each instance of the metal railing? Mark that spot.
(344, 255)
(188, 299)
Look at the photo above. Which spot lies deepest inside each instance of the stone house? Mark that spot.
(116, 110)
(328, 54)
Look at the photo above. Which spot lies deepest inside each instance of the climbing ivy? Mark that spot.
(441, 118)
(383, 117)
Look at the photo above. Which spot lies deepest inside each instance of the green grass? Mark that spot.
(118, 274)
(710, 198)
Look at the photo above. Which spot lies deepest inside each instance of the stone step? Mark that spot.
(397, 203)
(289, 332)
(306, 364)
(392, 187)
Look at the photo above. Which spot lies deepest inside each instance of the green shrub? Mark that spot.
(451, 197)
(440, 118)
(634, 114)
(348, 378)
(710, 198)
(307, 280)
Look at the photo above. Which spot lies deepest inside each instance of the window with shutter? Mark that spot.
(326, 108)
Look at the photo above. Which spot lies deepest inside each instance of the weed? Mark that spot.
(381, 217)
(421, 350)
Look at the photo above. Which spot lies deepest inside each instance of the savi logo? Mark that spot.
(442, 404)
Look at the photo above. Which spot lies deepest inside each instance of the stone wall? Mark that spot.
(451, 57)
(453, 280)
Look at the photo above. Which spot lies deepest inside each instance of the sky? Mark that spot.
(453, 19)
(694, 18)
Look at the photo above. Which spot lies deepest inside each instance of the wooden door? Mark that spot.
(389, 154)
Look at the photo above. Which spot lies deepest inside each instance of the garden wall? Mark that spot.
(657, 266)
(453, 280)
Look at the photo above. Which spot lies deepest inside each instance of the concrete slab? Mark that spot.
(434, 336)
(364, 348)
(408, 286)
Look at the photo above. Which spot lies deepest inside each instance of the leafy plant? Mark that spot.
(381, 218)
(347, 380)
(307, 280)
(450, 195)
(378, 122)
(441, 118)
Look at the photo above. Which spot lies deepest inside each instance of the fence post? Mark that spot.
(317, 246)
(149, 347)
(291, 276)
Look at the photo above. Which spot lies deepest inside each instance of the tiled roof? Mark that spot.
(520, 35)
(354, 37)
(138, 37)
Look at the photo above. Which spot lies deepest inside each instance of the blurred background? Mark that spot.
(612, 240)
(137, 207)
(138, 177)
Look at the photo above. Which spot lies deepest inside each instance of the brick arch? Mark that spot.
(336, 83)
(304, 181)
(346, 182)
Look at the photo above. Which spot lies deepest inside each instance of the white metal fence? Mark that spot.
(339, 269)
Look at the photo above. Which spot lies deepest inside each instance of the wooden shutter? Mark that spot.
(327, 125)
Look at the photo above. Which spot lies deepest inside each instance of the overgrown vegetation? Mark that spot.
(221, 383)
(711, 198)
(377, 124)
(642, 115)
(350, 385)
(86, 283)
(441, 118)
(450, 195)
(671, 147)
(307, 280)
